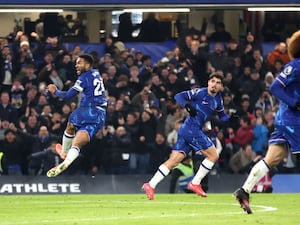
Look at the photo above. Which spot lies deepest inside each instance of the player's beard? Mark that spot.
(213, 90)
(79, 71)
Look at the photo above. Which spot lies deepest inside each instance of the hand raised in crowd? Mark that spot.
(13, 127)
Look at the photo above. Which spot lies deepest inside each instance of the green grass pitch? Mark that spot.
(136, 209)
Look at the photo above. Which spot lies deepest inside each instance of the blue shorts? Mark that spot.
(288, 135)
(191, 138)
(90, 119)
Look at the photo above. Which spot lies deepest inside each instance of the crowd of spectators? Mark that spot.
(142, 116)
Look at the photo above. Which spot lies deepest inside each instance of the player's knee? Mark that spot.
(213, 157)
(70, 129)
(171, 164)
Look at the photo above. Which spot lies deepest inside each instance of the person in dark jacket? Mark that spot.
(125, 27)
(150, 29)
(12, 149)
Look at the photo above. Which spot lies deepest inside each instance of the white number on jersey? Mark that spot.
(99, 87)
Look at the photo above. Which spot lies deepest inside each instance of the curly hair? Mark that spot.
(294, 46)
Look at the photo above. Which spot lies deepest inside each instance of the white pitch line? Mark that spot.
(261, 208)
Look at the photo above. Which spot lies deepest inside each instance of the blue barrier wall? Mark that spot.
(286, 183)
(155, 50)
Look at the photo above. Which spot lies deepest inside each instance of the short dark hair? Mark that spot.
(7, 131)
(88, 58)
(246, 119)
(216, 75)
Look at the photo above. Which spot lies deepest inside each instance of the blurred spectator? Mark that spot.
(13, 150)
(40, 162)
(190, 81)
(132, 127)
(56, 127)
(198, 58)
(76, 51)
(4, 125)
(269, 78)
(174, 115)
(29, 125)
(150, 30)
(49, 75)
(247, 48)
(140, 160)
(29, 102)
(37, 142)
(231, 83)
(17, 94)
(253, 87)
(48, 59)
(105, 62)
(172, 136)
(229, 105)
(254, 56)
(260, 134)
(269, 121)
(30, 78)
(7, 110)
(7, 72)
(261, 68)
(118, 150)
(126, 27)
(125, 67)
(217, 59)
(243, 160)
(66, 71)
(109, 46)
(159, 152)
(244, 134)
(220, 34)
(41, 102)
(119, 114)
(113, 74)
(146, 69)
(174, 85)
(185, 45)
(144, 99)
(134, 82)
(157, 87)
(278, 67)
(266, 101)
(233, 49)
(79, 30)
(245, 75)
(279, 53)
(272, 27)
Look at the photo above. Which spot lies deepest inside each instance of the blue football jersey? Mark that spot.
(91, 86)
(205, 104)
(286, 88)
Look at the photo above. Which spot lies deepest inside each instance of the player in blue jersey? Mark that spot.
(88, 118)
(286, 135)
(201, 104)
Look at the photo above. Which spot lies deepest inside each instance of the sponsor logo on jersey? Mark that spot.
(286, 71)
